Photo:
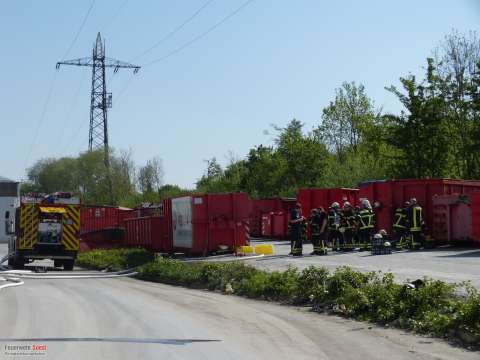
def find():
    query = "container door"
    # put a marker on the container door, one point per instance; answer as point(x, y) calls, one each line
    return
point(461, 215)
point(475, 220)
point(182, 222)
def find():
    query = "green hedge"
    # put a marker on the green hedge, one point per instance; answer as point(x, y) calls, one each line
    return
point(431, 308)
point(114, 259)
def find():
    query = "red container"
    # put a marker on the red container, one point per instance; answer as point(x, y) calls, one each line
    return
point(267, 224)
point(203, 224)
point(386, 195)
point(97, 218)
point(144, 232)
point(314, 198)
point(262, 206)
point(475, 207)
point(156, 210)
point(124, 213)
point(279, 225)
point(102, 239)
point(452, 218)
point(166, 227)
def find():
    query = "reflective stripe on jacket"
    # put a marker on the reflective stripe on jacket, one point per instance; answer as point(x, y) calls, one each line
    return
point(400, 219)
point(366, 218)
point(417, 219)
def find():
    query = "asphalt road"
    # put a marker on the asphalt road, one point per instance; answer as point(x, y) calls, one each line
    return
point(126, 318)
point(170, 317)
point(448, 264)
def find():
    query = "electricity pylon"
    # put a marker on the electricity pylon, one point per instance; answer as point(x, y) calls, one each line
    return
point(100, 100)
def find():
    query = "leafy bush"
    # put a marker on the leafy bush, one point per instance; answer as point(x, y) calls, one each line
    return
point(311, 285)
point(115, 259)
point(432, 306)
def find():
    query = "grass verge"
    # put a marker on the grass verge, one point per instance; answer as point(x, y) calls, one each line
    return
point(114, 259)
point(432, 307)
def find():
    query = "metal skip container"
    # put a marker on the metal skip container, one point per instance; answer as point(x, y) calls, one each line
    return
point(97, 218)
point(204, 224)
point(316, 197)
point(262, 207)
point(151, 232)
point(387, 195)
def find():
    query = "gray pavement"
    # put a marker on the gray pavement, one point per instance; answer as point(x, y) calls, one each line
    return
point(445, 263)
point(64, 311)
point(127, 318)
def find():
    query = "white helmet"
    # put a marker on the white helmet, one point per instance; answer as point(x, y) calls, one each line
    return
point(377, 236)
point(366, 204)
point(347, 204)
point(387, 244)
point(335, 205)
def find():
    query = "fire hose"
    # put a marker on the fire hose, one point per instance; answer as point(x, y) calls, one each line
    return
point(14, 277)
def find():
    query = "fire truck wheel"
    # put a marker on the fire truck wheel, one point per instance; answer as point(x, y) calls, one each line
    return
point(68, 264)
point(17, 262)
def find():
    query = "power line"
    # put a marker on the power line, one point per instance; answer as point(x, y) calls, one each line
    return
point(190, 42)
point(122, 90)
point(66, 122)
point(162, 40)
point(112, 19)
point(79, 30)
point(52, 84)
point(175, 30)
point(71, 143)
point(200, 36)
point(108, 24)
point(41, 119)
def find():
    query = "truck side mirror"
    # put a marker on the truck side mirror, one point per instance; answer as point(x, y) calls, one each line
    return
point(8, 224)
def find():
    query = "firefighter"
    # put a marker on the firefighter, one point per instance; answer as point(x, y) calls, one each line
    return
point(366, 223)
point(400, 224)
point(355, 228)
point(415, 223)
point(318, 225)
point(335, 237)
point(296, 224)
point(348, 225)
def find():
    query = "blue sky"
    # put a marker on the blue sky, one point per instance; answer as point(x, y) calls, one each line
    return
point(272, 61)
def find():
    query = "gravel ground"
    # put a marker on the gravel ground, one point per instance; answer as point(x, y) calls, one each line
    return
point(445, 263)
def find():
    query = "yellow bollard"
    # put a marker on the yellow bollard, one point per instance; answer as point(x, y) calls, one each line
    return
point(265, 249)
point(245, 250)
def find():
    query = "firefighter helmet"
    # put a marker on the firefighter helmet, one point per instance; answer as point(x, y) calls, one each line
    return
point(366, 204)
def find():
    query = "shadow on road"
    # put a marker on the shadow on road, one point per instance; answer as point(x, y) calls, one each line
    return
point(113, 340)
point(469, 254)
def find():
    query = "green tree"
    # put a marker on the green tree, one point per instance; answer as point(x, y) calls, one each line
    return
point(211, 181)
point(168, 191)
point(421, 134)
point(86, 176)
point(264, 175)
point(357, 136)
point(304, 155)
point(50, 175)
point(150, 179)
point(455, 61)
point(345, 119)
